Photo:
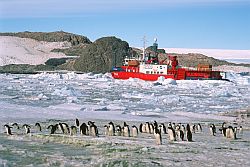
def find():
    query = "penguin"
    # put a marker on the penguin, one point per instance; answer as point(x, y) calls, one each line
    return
point(27, 128)
point(230, 133)
point(84, 129)
point(111, 129)
point(179, 133)
point(8, 129)
point(155, 124)
point(140, 127)
point(212, 129)
point(148, 127)
point(193, 128)
point(188, 133)
point(158, 137)
point(126, 130)
point(77, 122)
point(235, 130)
point(38, 126)
point(173, 125)
point(171, 133)
point(134, 131)
point(64, 128)
point(106, 130)
point(118, 130)
point(15, 125)
point(223, 129)
point(199, 127)
point(163, 128)
point(183, 128)
point(144, 128)
point(53, 128)
point(90, 123)
point(151, 129)
point(240, 130)
point(73, 130)
point(93, 131)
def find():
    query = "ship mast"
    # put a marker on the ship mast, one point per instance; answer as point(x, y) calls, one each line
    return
point(144, 47)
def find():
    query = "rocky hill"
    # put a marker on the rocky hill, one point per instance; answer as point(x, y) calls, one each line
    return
point(58, 36)
point(98, 56)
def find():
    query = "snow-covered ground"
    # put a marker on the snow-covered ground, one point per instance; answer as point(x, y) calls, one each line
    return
point(237, 56)
point(14, 50)
point(52, 98)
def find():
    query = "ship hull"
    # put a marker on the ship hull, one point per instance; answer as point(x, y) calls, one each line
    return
point(180, 74)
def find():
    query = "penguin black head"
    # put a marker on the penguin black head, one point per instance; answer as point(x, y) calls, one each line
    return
point(111, 123)
point(53, 128)
point(155, 124)
point(77, 122)
point(16, 125)
point(91, 123)
point(125, 124)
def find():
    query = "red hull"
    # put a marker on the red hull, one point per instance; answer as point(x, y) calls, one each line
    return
point(178, 74)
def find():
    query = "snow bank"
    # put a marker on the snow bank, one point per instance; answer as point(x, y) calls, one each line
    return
point(15, 50)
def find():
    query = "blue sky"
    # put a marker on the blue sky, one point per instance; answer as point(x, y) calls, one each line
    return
point(217, 24)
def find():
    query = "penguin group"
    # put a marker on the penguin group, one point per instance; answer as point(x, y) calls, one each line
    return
point(118, 130)
point(227, 131)
point(25, 128)
point(173, 132)
point(158, 131)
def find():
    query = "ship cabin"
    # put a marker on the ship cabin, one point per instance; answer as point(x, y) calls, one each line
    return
point(153, 69)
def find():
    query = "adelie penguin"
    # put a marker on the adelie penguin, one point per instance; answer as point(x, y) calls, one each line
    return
point(8, 129)
point(171, 133)
point(158, 137)
point(106, 130)
point(134, 131)
point(142, 128)
point(163, 128)
point(223, 129)
point(84, 129)
point(126, 130)
point(93, 131)
point(148, 130)
point(53, 128)
point(73, 130)
point(15, 125)
point(240, 130)
point(118, 130)
point(111, 129)
point(39, 128)
point(179, 132)
point(212, 129)
point(189, 133)
point(230, 133)
point(64, 128)
point(77, 122)
point(27, 128)
point(199, 127)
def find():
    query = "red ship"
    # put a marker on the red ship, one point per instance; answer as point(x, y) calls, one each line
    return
point(150, 69)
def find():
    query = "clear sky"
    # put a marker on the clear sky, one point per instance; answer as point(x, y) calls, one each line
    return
point(218, 24)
